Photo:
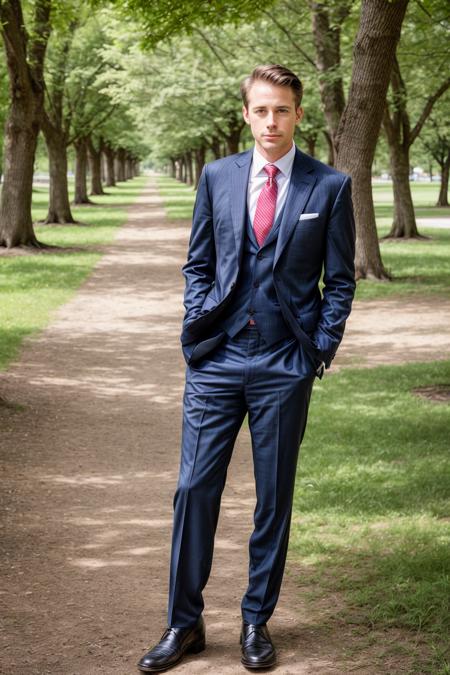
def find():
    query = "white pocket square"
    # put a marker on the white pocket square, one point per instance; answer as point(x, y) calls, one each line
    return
point(308, 216)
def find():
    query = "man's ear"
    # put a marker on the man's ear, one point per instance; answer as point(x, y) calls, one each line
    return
point(299, 114)
point(245, 114)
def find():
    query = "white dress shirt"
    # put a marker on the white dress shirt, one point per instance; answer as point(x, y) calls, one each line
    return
point(258, 177)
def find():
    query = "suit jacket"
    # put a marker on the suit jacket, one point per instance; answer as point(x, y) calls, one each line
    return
point(316, 234)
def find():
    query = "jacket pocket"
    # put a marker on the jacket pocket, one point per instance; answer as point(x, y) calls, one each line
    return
point(308, 320)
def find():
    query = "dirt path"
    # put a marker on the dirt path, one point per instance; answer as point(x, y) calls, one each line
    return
point(90, 466)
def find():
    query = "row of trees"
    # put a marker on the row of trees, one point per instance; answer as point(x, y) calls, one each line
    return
point(58, 84)
point(164, 76)
point(394, 85)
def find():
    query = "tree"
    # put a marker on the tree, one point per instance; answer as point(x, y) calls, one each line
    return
point(56, 122)
point(359, 125)
point(327, 21)
point(418, 80)
point(374, 52)
point(437, 143)
point(4, 101)
point(25, 49)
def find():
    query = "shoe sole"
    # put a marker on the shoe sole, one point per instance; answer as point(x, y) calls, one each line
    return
point(259, 666)
point(194, 648)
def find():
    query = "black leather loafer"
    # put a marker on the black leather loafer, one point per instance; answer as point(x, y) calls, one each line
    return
point(174, 644)
point(257, 648)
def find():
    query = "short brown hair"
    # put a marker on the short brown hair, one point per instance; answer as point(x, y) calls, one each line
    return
point(277, 75)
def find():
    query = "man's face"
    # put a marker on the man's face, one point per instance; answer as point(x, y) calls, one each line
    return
point(272, 116)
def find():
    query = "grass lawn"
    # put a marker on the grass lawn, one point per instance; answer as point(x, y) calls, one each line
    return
point(32, 286)
point(371, 523)
point(419, 267)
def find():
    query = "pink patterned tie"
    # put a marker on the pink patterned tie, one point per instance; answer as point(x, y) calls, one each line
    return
point(266, 205)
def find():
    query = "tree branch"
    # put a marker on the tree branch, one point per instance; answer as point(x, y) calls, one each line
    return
point(289, 37)
point(428, 108)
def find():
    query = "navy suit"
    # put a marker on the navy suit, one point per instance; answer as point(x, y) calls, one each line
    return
point(265, 371)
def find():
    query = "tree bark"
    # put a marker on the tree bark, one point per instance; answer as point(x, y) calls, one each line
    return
point(327, 42)
point(129, 165)
point(404, 223)
point(58, 205)
point(443, 191)
point(189, 168)
point(25, 60)
point(110, 172)
point(183, 169)
point(397, 128)
point(199, 163)
point(95, 167)
point(330, 160)
point(216, 148)
point(233, 141)
point(173, 168)
point(374, 51)
point(400, 138)
point(81, 195)
point(311, 145)
point(178, 169)
point(120, 167)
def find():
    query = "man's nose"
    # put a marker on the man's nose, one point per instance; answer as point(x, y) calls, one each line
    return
point(271, 120)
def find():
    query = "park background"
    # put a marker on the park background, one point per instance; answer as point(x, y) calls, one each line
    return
point(108, 113)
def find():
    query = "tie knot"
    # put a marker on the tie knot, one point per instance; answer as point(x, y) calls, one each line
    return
point(271, 170)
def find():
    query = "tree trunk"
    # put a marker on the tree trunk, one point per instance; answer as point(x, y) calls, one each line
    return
point(404, 224)
point(189, 169)
point(173, 168)
point(233, 141)
point(330, 159)
point(21, 132)
point(120, 168)
point(216, 148)
point(81, 196)
point(311, 145)
point(199, 164)
point(327, 42)
point(95, 158)
point(178, 169)
point(58, 205)
point(374, 51)
point(443, 191)
point(110, 173)
point(25, 59)
point(103, 166)
point(129, 165)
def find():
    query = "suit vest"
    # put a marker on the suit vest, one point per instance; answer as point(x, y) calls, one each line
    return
point(255, 296)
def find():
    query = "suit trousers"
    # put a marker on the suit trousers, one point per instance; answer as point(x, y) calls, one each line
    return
point(241, 376)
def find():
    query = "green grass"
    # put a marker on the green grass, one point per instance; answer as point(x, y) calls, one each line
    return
point(371, 508)
point(33, 286)
point(419, 267)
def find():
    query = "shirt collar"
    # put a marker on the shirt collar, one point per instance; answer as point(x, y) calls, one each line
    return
point(284, 164)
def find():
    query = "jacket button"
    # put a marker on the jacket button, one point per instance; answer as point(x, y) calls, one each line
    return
point(260, 255)
point(251, 310)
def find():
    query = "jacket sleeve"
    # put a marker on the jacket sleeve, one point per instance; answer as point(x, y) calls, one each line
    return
point(199, 270)
point(339, 275)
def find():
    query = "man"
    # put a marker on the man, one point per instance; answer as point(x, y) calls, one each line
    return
point(256, 333)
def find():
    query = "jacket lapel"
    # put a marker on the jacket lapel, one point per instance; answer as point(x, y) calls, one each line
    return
point(300, 186)
point(239, 181)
